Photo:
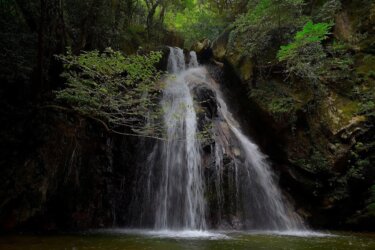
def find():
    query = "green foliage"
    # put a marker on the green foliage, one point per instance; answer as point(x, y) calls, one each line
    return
point(368, 107)
point(328, 11)
point(260, 26)
point(305, 55)
point(195, 23)
point(366, 97)
point(32, 31)
point(338, 64)
point(371, 74)
point(310, 34)
point(205, 135)
point(316, 163)
point(119, 90)
point(274, 12)
point(281, 105)
point(356, 172)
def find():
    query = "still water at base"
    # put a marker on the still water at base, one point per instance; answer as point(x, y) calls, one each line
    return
point(142, 239)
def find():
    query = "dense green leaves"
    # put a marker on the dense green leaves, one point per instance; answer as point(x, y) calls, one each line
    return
point(305, 55)
point(203, 19)
point(310, 34)
point(196, 23)
point(328, 11)
point(119, 90)
point(261, 26)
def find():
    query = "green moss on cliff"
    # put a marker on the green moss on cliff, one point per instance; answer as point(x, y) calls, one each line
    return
point(323, 120)
point(276, 101)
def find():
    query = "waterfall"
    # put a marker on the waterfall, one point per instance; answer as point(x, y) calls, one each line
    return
point(193, 63)
point(181, 190)
point(181, 200)
point(263, 201)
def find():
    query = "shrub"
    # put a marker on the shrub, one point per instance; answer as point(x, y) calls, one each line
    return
point(119, 90)
point(305, 56)
point(255, 28)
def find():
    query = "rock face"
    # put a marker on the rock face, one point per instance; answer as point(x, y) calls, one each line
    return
point(59, 171)
point(66, 173)
point(324, 150)
point(242, 65)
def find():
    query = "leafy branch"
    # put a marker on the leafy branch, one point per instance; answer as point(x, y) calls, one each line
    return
point(120, 91)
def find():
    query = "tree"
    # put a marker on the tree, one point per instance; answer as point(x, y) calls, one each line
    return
point(196, 20)
point(152, 5)
point(228, 8)
point(119, 91)
point(266, 21)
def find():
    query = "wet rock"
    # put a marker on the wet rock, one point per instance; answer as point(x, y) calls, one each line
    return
point(313, 148)
point(201, 46)
point(223, 52)
point(219, 46)
point(70, 181)
point(206, 99)
point(203, 50)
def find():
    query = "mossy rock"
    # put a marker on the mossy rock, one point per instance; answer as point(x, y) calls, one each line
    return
point(245, 69)
point(338, 112)
point(365, 65)
point(242, 64)
point(281, 100)
point(201, 46)
point(219, 46)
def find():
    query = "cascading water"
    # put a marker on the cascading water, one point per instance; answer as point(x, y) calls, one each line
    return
point(263, 204)
point(181, 202)
point(178, 178)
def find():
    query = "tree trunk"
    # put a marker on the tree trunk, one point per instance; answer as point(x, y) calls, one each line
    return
point(150, 18)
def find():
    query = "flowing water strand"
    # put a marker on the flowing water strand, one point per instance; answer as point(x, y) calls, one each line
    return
point(193, 63)
point(181, 202)
point(261, 195)
point(175, 178)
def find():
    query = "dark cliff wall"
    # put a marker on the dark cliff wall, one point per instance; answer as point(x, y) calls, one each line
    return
point(59, 171)
point(324, 150)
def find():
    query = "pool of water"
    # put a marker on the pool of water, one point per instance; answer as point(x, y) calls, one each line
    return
point(119, 239)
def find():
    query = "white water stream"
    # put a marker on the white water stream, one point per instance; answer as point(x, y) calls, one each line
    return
point(177, 182)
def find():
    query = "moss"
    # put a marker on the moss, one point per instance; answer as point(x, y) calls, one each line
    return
point(246, 69)
point(365, 65)
point(338, 112)
point(348, 108)
point(242, 65)
point(301, 97)
point(371, 74)
point(281, 105)
point(277, 101)
point(219, 46)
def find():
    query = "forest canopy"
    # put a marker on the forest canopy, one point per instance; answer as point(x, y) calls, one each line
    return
point(295, 35)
